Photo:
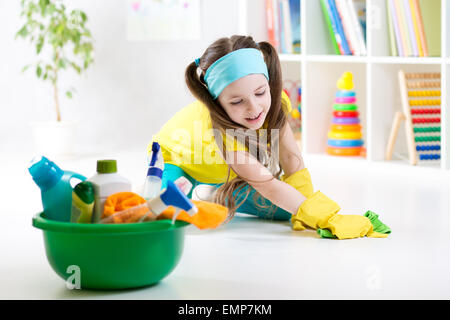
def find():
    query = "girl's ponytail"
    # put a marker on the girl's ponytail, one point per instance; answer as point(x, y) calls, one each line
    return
point(277, 117)
point(199, 90)
point(274, 68)
point(194, 83)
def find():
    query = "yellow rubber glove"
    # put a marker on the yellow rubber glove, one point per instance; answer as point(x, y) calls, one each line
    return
point(301, 180)
point(319, 211)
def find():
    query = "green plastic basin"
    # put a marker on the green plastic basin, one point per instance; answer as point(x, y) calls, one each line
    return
point(113, 256)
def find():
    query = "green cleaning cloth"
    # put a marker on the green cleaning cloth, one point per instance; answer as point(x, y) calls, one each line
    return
point(378, 226)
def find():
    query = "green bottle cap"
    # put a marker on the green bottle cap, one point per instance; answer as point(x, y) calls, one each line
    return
point(85, 191)
point(106, 166)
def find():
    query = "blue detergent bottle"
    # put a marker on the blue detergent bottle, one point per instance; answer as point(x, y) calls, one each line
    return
point(56, 189)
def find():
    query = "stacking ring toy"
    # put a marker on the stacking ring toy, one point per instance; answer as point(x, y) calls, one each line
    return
point(345, 107)
point(346, 114)
point(351, 135)
point(345, 120)
point(345, 100)
point(345, 143)
point(345, 93)
point(352, 151)
point(346, 127)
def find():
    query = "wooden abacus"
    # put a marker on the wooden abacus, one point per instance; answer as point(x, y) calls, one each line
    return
point(421, 109)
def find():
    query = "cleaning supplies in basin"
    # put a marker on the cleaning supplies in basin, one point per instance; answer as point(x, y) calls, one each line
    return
point(56, 188)
point(128, 207)
point(106, 182)
point(152, 186)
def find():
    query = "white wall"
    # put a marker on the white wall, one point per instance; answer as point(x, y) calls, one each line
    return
point(125, 97)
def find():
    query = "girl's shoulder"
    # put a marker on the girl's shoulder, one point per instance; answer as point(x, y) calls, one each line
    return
point(195, 110)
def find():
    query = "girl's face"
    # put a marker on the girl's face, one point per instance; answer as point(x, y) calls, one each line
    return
point(247, 100)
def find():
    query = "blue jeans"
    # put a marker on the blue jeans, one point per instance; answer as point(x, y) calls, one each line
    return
point(254, 204)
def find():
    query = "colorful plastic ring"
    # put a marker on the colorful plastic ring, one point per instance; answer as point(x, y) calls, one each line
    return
point(345, 120)
point(346, 127)
point(345, 93)
point(345, 107)
point(352, 135)
point(339, 114)
point(345, 99)
point(345, 143)
point(353, 151)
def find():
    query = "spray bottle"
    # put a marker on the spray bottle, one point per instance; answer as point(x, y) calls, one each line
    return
point(171, 196)
point(152, 186)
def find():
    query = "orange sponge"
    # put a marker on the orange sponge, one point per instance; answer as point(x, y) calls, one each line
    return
point(209, 216)
point(125, 207)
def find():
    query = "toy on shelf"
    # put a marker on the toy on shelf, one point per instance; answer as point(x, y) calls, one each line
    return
point(345, 136)
point(294, 92)
point(421, 111)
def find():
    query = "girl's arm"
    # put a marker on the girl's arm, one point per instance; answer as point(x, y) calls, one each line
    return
point(291, 159)
point(259, 177)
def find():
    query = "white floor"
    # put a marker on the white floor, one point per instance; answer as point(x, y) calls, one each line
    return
point(254, 259)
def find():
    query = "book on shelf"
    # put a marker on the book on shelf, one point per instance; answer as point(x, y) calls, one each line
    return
point(393, 31)
point(283, 25)
point(294, 8)
point(414, 27)
point(343, 20)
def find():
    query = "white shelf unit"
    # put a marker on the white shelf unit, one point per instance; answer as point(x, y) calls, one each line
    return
point(375, 76)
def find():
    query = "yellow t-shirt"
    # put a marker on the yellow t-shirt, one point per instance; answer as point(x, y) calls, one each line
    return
point(187, 141)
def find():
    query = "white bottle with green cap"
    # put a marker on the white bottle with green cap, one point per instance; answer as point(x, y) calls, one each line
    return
point(106, 182)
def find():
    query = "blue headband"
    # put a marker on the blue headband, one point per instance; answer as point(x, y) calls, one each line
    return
point(233, 66)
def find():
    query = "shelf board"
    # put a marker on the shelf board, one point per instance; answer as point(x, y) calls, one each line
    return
point(336, 58)
point(407, 60)
point(290, 57)
point(363, 59)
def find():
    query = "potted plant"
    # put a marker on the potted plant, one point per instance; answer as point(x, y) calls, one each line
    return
point(62, 42)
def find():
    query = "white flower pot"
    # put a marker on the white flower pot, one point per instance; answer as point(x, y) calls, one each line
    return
point(54, 138)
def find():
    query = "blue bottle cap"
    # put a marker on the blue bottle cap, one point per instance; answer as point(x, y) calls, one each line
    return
point(44, 172)
point(155, 149)
point(155, 171)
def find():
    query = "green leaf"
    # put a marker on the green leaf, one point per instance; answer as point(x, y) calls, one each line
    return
point(69, 94)
point(23, 32)
point(60, 28)
point(76, 67)
point(40, 44)
point(83, 16)
point(51, 9)
point(62, 63)
point(43, 5)
point(38, 71)
point(25, 68)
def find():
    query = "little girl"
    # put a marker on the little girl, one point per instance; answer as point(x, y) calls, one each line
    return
point(235, 138)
